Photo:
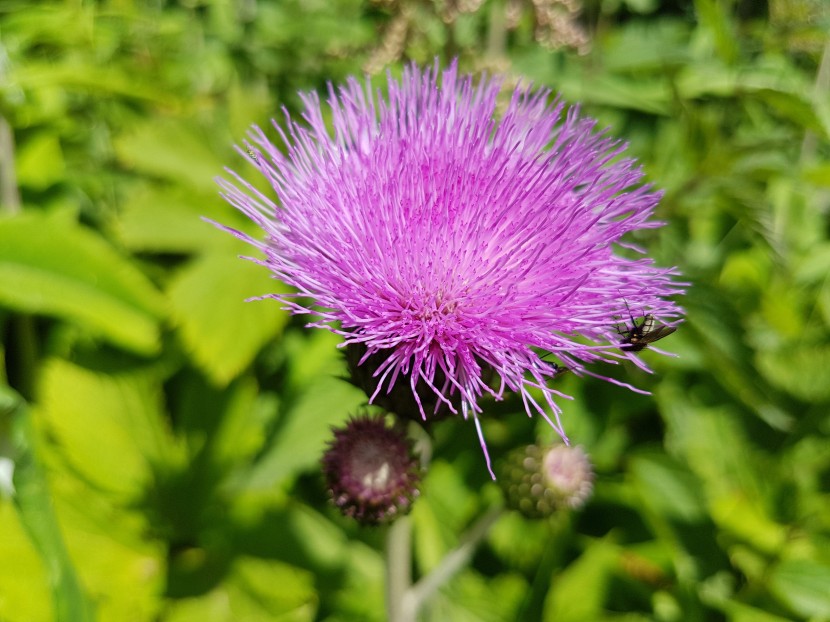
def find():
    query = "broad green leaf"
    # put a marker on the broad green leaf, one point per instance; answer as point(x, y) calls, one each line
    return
point(305, 430)
point(103, 81)
point(739, 612)
point(40, 162)
point(578, 594)
point(646, 46)
point(713, 444)
point(518, 540)
point(473, 598)
point(240, 433)
point(122, 569)
point(718, 592)
point(109, 427)
point(362, 595)
point(221, 330)
point(819, 174)
point(746, 270)
point(24, 596)
point(803, 586)
point(37, 515)
point(248, 104)
point(171, 150)
point(160, 219)
point(652, 96)
point(255, 590)
point(815, 266)
point(313, 353)
point(744, 518)
point(778, 85)
point(800, 370)
point(668, 487)
point(716, 27)
point(54, 268)
point(441, 514)
point(323, 542)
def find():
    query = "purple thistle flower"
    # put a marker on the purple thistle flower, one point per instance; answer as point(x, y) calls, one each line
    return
point(452, 246)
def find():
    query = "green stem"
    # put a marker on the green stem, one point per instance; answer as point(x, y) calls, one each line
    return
point(398, 568)
point(452, 563)
point(496, 32)
point(9, 194)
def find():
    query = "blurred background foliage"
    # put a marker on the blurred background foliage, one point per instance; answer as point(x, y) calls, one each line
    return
point(160, 438)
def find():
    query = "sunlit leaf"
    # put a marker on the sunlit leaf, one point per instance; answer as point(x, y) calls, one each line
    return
point(25, 594)
point(802, 585)
point(579, 592)
point(52, 268)
point(35, 507)
point(306, 429)
point(109, 427)
point(40, 162)
point(255, 590)
point(800, 370)
point(668, 487)
point(473, 598)
point(161, 219)
point(171, 150)
point(218, 326)
point(440, 515)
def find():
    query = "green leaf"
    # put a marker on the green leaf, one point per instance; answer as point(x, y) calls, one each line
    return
point(473, 598)
point(803, 586)
point(746, 519)
point(652, 96)
point(54, 268)
point(714, 445)
point(717, 27)
point(40, 162)
point(739, 612)
point(25, 591)
point(109, 427)
point(646, 46)
point(255, 590)
point(578, 594)
point(305, 430)
point(800, 370)
point(34, 505)
point(240, 433)
point(160, 219)
point(102, 81)
point(122, 569)
point(171, 150)
point(441, 514)
point(668, 487)
point(221, 330)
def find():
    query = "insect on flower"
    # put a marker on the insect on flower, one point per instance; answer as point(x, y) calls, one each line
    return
point(640, 335)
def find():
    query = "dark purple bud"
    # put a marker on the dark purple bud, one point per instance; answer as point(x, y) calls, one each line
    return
point(371, 471)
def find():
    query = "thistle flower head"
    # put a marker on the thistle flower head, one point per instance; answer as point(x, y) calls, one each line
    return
point(539, 481)
point(371, 472)
point(454, 247)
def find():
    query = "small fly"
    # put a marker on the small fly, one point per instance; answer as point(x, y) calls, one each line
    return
point(558, 370)
point(640, 335)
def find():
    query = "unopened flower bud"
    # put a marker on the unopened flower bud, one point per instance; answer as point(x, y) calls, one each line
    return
point(370, 470)
point(539, 481)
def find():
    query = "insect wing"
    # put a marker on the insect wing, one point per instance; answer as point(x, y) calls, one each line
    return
point(640, 335)
point(656, 334)
point(647, 326)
